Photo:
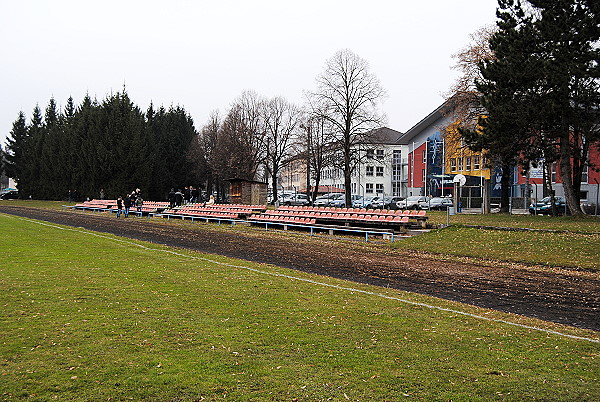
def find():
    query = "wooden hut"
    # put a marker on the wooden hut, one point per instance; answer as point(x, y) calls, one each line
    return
point(248, 192)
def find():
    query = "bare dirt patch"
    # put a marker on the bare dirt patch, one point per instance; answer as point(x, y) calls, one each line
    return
point(556, 295)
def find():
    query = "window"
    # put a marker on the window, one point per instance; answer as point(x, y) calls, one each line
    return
point(476, 162)
point(453, 164)
point(380, 154)
point(583, 195)
point(396, 173)
point(353, 185)
point(370, 153)
point(423, 177)
point(468, 163)
point(554, 172)
point(379, 188)
point(584, 174)
point(397, 157)
point(424, 156)
point(369, 170)
point(460, 164)
point(369, 188)
point(396, 188)
point(379, 171)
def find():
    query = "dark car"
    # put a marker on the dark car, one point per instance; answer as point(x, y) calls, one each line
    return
point(437, 203)
point(9, 195)
point(544, 206)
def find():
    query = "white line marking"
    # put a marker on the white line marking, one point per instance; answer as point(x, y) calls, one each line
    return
point(413, 303)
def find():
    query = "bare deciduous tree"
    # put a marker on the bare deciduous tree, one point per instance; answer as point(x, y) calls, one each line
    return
point(350, 95)
point(239, 150)
point(208, 144)
point(281, 120)
point(465, 103)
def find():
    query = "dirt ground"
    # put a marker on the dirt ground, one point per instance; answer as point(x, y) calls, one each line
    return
point(557, 295)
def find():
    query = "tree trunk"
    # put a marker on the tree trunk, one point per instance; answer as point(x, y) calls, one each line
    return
point(571, 193)
point(505, 187)
point(347, 177)
point(274, 184)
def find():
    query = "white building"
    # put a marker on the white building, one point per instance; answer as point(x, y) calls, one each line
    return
point(379, 170)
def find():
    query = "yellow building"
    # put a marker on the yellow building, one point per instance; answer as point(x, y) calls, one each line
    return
point(460, 159)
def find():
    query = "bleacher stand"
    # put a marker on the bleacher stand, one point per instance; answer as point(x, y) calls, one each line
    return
point(357, 220)
point(357, 217)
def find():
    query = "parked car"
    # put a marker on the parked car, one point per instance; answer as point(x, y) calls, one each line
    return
point(338, 201)
point(437, 203)
point(294, 199)
point(358, 201)
point(544, 206)
point(371, 201)
point(325, 199)
point(387, 202)
point(9, 195)
point(412, 202)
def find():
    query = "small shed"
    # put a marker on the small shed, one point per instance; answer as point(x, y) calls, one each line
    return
point(247, 192)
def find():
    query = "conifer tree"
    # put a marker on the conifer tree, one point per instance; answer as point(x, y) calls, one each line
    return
point(16, 150)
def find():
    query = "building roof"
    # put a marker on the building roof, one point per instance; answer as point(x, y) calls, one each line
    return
point(424, 124)
point(384, 135)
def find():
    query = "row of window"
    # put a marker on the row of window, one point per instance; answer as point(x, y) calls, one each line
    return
point(464, 163)
point(378, 188)
point(378, 171)
point(372, 152)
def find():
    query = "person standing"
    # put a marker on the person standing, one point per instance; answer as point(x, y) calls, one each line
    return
point(102, 194)
point(119, 206)
point(127, 204)
point(171, 198)
point(139, 202)
point(195, 194)
point(178, 198)
point(186, 195)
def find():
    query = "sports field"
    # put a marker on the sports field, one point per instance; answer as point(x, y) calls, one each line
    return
point(88, 316)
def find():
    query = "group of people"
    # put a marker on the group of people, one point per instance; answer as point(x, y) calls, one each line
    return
point(189, 195)
point(130, 200)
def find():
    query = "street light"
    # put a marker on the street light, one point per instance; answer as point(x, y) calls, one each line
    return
point(597, 191)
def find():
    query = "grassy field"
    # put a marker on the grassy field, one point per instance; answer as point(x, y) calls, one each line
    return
point(585, 224)
point(92, 317)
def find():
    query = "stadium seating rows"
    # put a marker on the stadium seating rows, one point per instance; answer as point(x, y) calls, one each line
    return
point(356, 217)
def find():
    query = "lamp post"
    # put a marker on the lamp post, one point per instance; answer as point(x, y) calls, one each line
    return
point(597, 191)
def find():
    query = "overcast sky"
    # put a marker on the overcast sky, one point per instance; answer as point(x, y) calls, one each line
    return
point(202, 54)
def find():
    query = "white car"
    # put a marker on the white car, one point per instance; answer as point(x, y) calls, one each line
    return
point(412, 202)
point(294, 199)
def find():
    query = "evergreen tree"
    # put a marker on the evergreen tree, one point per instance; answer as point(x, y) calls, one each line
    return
point(50, 173)
point(567, 109)
point(33, 153)
point(16, 150)
point(507, 88)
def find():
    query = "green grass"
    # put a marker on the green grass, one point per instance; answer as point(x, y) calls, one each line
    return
point(37, 203)
point(585, 224)
point(89, 317)
point(572, 250)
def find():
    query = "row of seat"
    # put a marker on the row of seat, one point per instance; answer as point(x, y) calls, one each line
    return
point(283, 219)
point(364, 211)
point(195, 208)
point(325, 217)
